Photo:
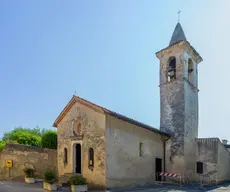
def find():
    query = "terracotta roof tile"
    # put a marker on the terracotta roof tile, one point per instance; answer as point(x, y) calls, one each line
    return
point(112, 113)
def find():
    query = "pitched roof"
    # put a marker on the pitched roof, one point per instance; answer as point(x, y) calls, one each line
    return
point(105, 111)
point(178, 35)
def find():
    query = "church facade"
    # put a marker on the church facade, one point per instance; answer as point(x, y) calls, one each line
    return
point(112, 150)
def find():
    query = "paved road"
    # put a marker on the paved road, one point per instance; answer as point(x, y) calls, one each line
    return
point(12, 186)
point(194, 188)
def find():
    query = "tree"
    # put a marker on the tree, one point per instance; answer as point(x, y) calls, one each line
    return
point(32, 137)
point(2, 145)
point(35, 131)
point(26, 138)
point(49, 139)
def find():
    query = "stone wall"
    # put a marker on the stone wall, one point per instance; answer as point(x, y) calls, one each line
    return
point(124, 165)
point(191, 120)
point(179, 111)
point(92, 135)
point(215, 158)
point(172, 118)
point(207, 152)
point(22, 156)
point(223, 165)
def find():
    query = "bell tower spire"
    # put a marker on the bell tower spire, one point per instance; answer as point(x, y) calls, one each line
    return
point(178, 35)
point(179, 102)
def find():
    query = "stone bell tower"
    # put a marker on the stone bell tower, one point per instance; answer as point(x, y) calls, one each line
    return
point(179, 102)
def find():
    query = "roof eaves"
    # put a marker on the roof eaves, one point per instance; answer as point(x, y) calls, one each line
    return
point(168, 46)
point(134, 122)
point(200, 58)
point(112, 113)
point(64, 111)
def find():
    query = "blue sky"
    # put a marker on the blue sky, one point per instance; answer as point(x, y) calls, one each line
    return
point(105, 51)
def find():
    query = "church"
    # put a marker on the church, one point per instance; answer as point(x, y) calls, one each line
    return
point(112, 150)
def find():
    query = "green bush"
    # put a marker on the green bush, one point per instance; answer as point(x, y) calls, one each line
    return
point(26, 138)
point(49, 139)
point(2, 145)
point(77, 180)
point(8, 136)
point(50, 176)
point(34, 137)
point(29, 172)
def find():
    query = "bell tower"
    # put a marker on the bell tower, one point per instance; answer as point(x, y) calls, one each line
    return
point(179, 102)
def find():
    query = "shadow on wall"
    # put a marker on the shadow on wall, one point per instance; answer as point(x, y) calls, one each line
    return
point(26, 156)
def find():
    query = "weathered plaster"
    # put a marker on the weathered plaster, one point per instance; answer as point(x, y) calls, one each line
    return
point(179, 112)
point(26, 156)
point(207, 152)
point(124, 165)
point(215, 158)
point(93, 135)
point(223, 165)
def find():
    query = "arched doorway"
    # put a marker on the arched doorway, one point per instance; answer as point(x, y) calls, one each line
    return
point(77, 158)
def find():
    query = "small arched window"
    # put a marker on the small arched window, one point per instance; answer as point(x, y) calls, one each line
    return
point(171, 70)
point(91, 158)
point(65, 156)
point(190, 70)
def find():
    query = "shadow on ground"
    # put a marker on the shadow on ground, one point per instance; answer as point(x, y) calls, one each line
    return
point(13, 186)
point(167, 187)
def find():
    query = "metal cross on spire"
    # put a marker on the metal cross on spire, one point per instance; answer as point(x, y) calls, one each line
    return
point(179, 15)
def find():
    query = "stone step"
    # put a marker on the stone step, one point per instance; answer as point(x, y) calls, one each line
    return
point(62, 180)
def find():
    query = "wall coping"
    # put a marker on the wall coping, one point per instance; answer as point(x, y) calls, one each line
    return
point(216, 139)
point(21, 147)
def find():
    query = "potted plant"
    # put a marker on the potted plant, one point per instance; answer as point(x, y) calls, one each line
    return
point(29, 175)
point(78, 183)
point(50, 180)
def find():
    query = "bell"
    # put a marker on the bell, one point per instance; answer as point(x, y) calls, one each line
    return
point(171, 69)
point(171, 73)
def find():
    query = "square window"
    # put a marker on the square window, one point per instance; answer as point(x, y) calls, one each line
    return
point(199, 167)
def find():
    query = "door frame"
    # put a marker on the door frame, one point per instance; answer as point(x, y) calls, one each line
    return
point(162, 178)
point(74, 156)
